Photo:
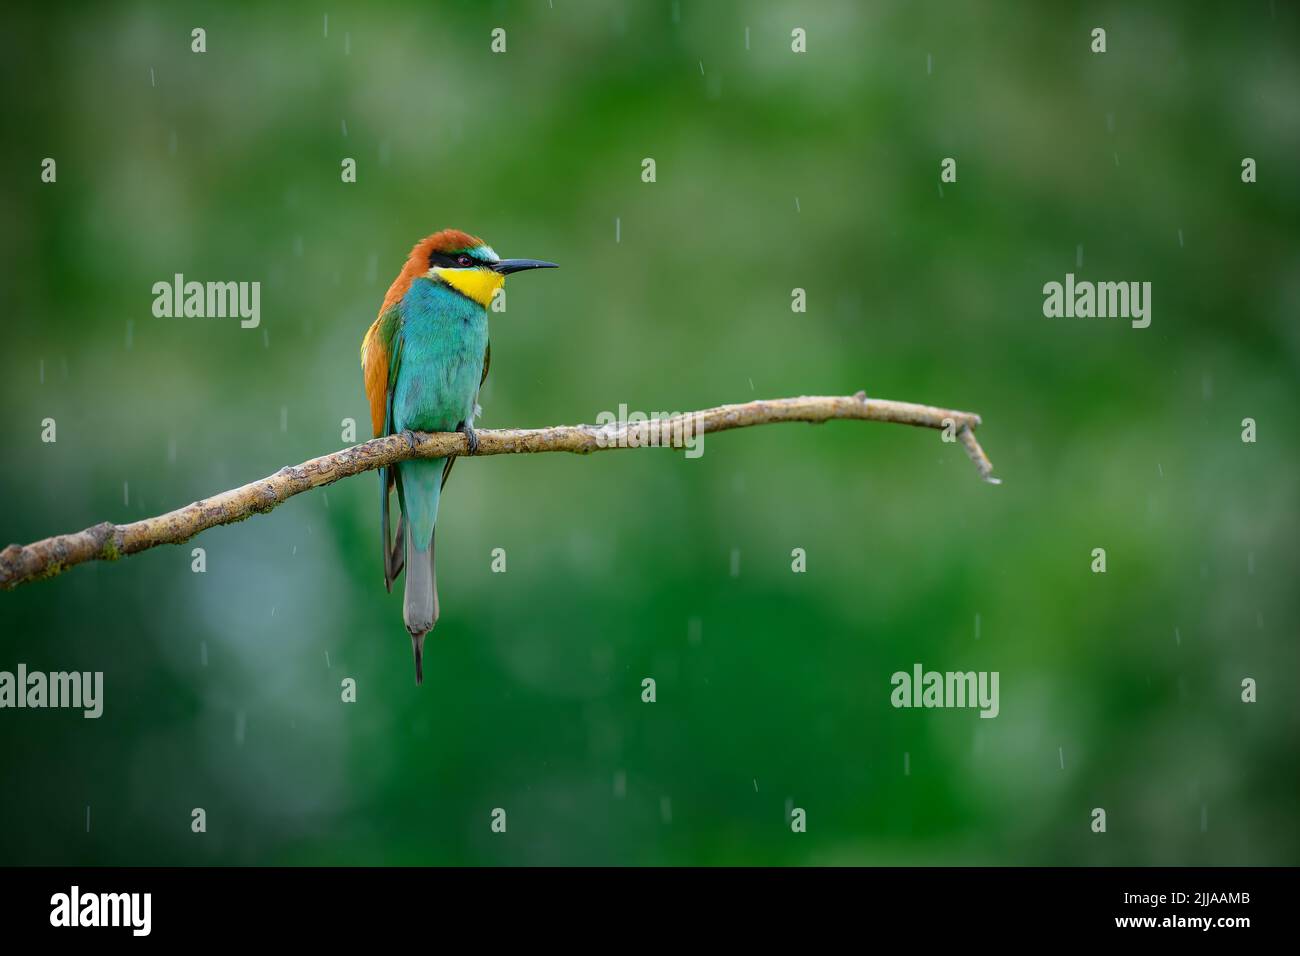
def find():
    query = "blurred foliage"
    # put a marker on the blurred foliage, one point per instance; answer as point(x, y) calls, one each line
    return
point(775, 170)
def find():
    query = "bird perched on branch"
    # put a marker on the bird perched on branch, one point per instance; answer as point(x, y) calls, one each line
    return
point(424, 360)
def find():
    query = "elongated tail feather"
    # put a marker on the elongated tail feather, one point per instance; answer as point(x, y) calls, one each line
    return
point(420, 601)
point(420, 483)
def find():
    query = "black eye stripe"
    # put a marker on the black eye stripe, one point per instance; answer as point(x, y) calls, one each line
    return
point(451, 262)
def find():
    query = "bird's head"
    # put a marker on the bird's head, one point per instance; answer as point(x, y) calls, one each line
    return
point(468, 264)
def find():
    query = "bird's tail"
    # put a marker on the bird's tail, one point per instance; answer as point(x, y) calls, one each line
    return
point(421, 484)
point(420, 602)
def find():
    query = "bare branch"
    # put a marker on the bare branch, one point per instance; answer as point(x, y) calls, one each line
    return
point(108, 542)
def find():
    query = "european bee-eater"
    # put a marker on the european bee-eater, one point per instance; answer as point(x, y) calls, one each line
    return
point(425, 359)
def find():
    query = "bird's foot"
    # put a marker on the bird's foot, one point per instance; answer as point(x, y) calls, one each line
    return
point(471, 436)
point(410, 437)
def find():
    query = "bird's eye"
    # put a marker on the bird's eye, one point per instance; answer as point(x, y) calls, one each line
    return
point(464, 261)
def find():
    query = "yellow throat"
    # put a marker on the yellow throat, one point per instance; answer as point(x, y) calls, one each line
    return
point(479, 284)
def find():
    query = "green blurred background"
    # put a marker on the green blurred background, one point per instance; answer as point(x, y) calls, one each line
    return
point(775, 170)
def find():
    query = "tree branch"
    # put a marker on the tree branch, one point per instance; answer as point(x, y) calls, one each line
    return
point(108, 542)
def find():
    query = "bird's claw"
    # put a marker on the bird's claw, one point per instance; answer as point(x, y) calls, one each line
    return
point(410, 437)
point(471, 437)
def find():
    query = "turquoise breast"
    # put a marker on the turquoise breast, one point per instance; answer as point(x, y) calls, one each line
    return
point(444, 337)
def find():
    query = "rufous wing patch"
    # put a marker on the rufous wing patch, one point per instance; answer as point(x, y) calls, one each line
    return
point(374, 366)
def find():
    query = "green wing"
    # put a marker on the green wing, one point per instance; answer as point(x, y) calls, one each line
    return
point(487, 363)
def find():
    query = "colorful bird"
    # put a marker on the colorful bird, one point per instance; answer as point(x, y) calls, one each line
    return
point(424, 360)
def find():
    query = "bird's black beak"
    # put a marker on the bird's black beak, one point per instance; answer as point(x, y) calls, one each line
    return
point(507, 266)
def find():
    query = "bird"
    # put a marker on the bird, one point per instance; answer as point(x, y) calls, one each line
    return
point(424, 360)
